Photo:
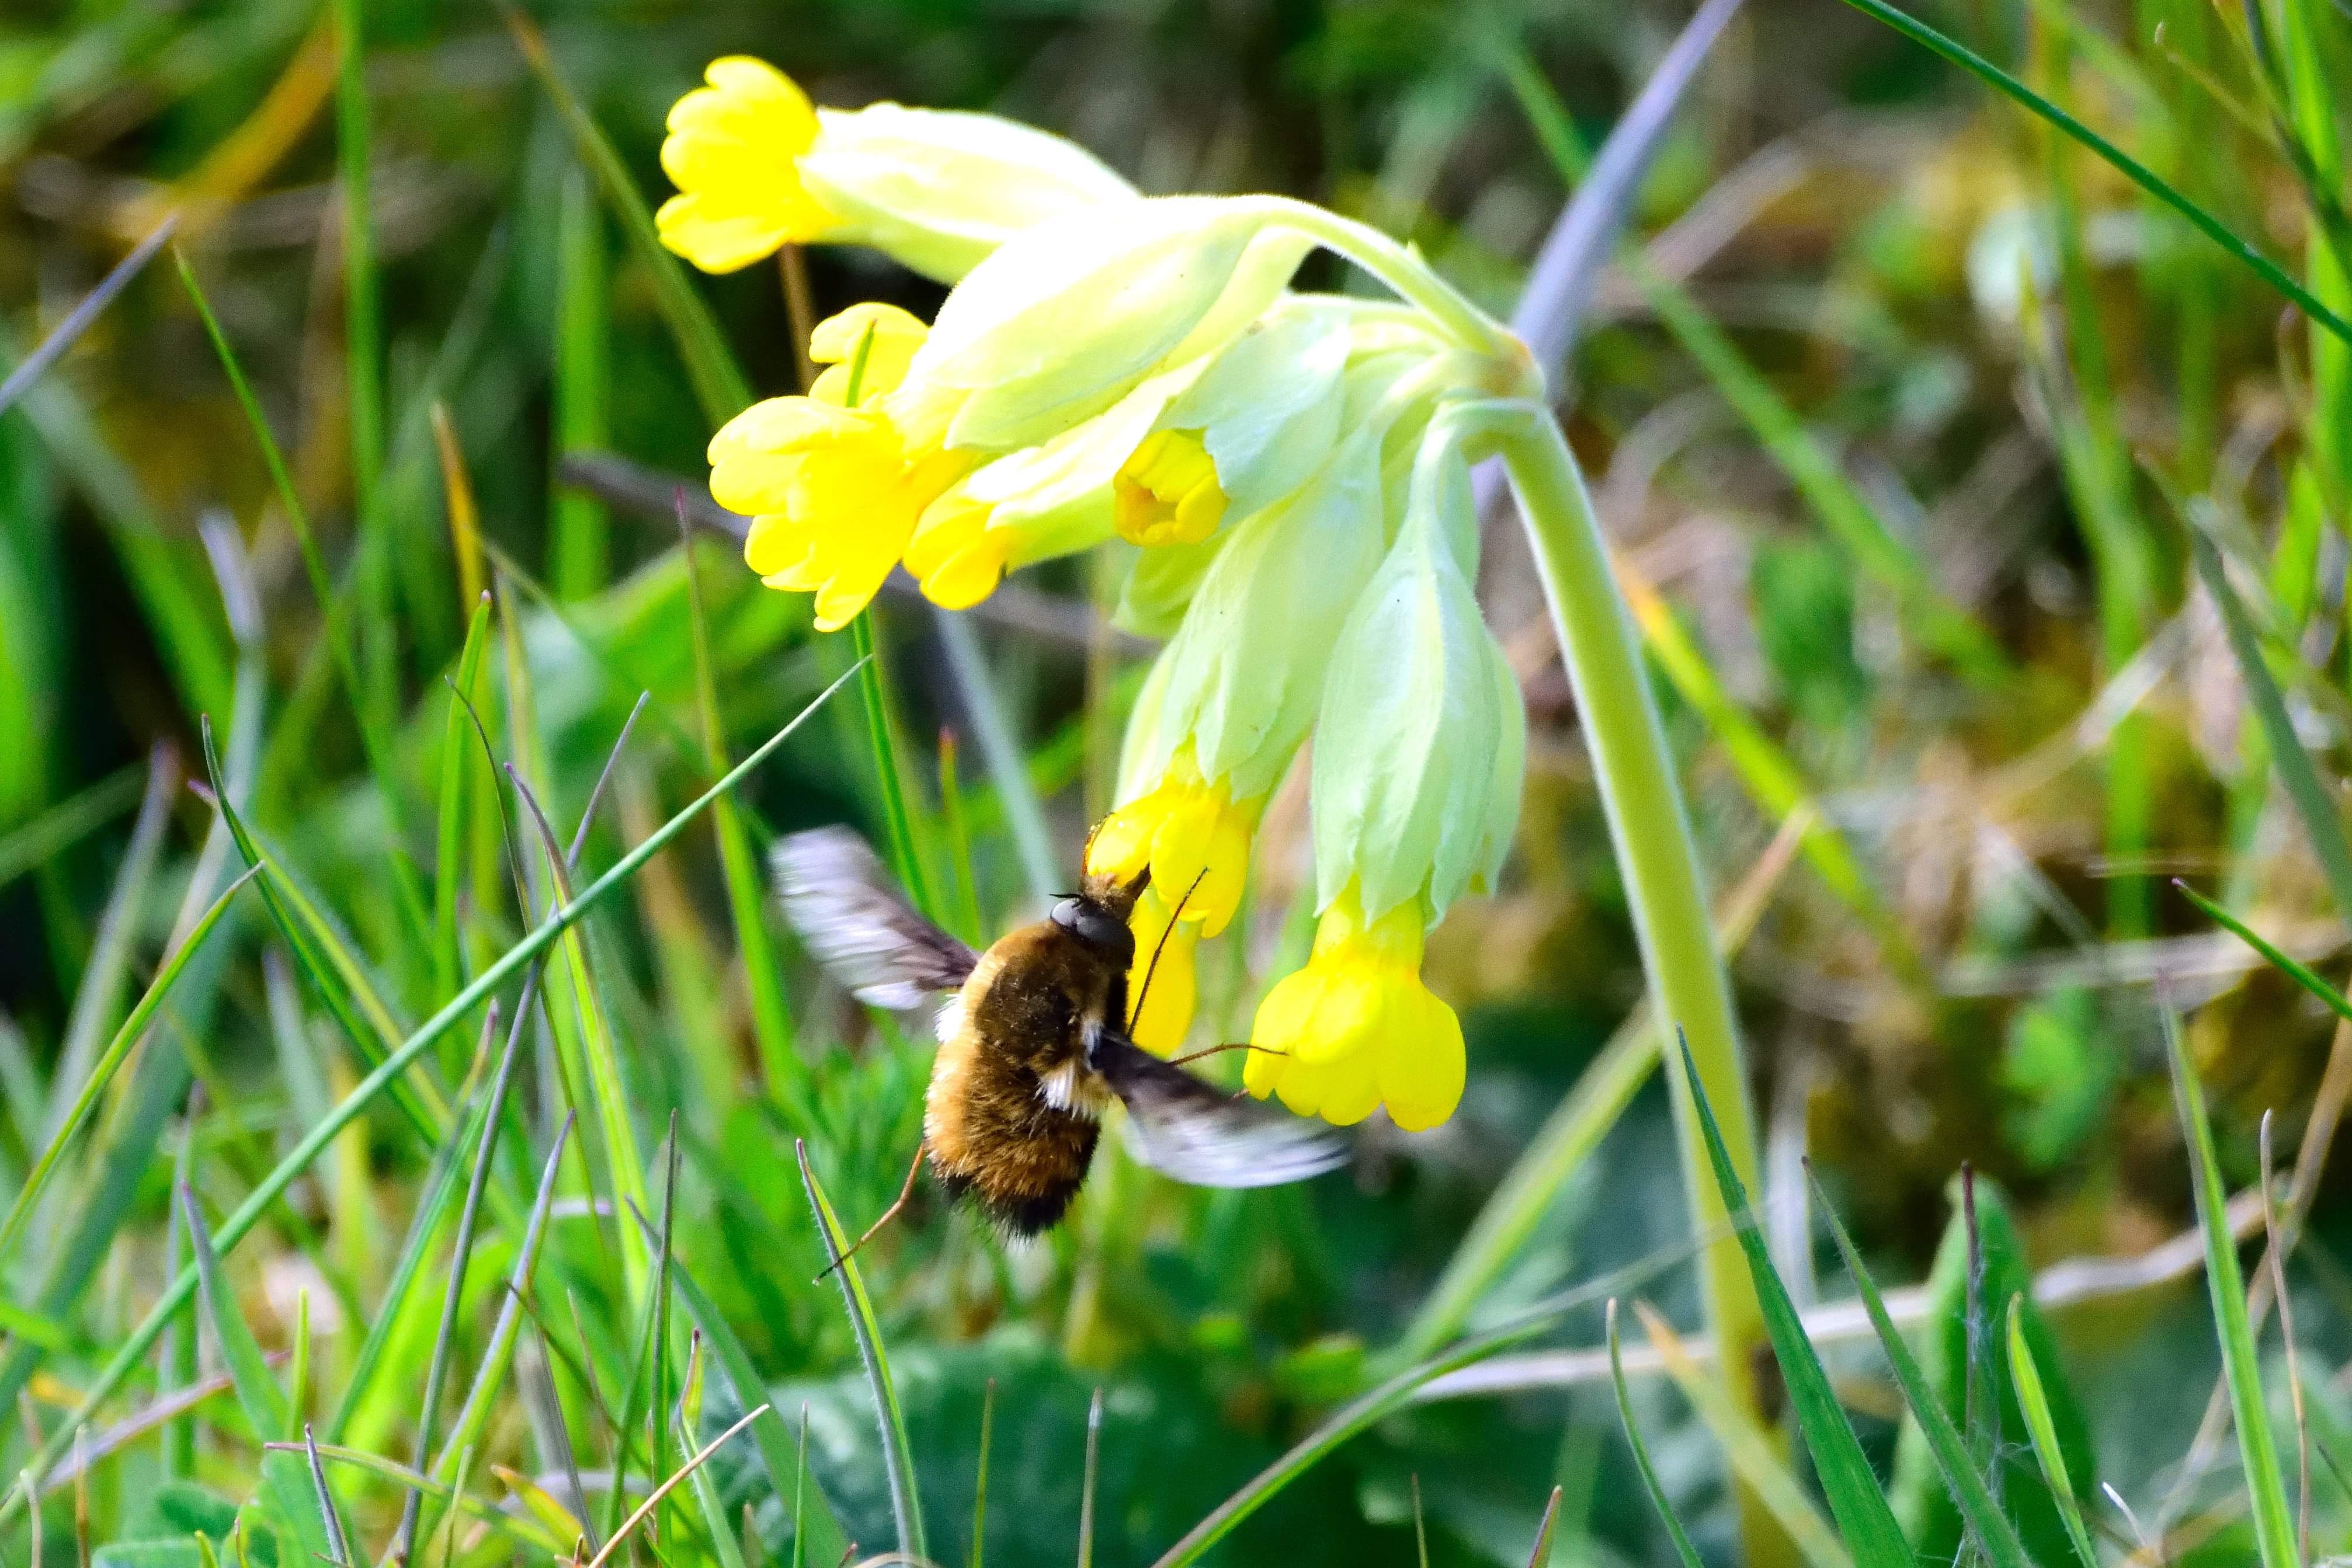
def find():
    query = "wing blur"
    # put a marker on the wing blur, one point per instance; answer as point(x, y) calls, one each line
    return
point(851, 915)
point(1185, 1128)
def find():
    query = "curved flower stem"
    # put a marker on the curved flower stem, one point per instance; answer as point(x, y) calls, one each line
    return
point(1402, 270)
point(1643, 802)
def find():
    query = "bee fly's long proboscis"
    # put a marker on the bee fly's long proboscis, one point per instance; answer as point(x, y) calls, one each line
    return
point(1033, 1043)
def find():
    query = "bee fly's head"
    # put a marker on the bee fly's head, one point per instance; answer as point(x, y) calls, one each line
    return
point(1097, 926)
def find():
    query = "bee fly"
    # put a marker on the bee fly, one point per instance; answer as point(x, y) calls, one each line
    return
point(1034, 1043)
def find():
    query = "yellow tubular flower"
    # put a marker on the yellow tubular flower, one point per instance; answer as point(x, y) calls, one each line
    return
point(1166, 492)
point(1193, 836)
point(1161, 987)
point(733, 151)
point(1356, 1029)
point(833, 491)
point(757, 167)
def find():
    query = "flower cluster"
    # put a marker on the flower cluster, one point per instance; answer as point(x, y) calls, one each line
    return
point(1287, 472)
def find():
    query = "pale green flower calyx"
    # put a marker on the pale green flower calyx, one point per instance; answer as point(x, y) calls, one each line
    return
point(1422, 740)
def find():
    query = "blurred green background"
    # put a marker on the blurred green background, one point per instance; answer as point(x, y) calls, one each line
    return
point(1894, 359)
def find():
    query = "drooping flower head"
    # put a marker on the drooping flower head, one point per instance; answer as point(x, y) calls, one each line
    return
point(1280, 469)
point(1419, 749)
point(757, 167)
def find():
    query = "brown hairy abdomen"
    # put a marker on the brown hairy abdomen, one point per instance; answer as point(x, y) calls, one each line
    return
point(990, 1133)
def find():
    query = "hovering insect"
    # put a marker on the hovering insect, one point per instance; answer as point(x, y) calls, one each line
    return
point(1034, 1043)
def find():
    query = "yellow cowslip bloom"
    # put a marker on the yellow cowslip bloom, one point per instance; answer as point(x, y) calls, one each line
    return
point(733, 150)
point(1356, 1029)
point(1167, 493)
point(1257, 420)
point(1162, 986)
point(833, 490)
point(757, 167)
point(1032, 505)
point(1193, 834)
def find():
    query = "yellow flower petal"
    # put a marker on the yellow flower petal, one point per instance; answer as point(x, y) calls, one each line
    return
point(733, 152)
point(1166, 492)
point(1356, 1029)
point(834, 494)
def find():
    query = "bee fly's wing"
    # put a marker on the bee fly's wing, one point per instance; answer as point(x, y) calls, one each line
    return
point(1182, 1127)
point(859, 925)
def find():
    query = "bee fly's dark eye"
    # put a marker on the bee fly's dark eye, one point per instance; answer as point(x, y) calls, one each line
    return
point(1097, 928)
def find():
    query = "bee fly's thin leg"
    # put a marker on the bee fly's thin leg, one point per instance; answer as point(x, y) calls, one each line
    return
point(1216, 1049)
point(905, 1194)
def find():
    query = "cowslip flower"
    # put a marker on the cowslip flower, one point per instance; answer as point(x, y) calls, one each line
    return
point(833, 488)
point(1257, 420)
point(1356, 1029)
point(1419, 749)
point(758, 167)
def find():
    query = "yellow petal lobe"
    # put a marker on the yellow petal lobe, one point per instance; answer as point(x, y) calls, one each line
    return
point(1356, 1029)
point(733, 151)
point(1166, 492)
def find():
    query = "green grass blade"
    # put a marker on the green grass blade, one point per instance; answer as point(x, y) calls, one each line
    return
point(363, 321)
point(256, 1391)
point(2301, 974)
point(1749, 1447)
point(1995, 1536)
point(517, 1526)
point(1847, 1482)
point(2138, 174)
point(1367, 1410)
point(2311, 800)
point(338, 1546)
point(1539, 1556)
point(2265, 1482)
point(67, 823)
point(979, 1481)
point(474, 1416)
point(299, 1159)
point(786, 1471)
point(338, 645)
point(128, 1036)
point(897, 1452)
point(98, 993)
point(439, 1190)
point(461, 1256)
point(1684, 1550)
point(578, 554)
point(785, 1070)
point(448, 854)
point(2035, 1402)
point(718, 382)
point(1087, 1481)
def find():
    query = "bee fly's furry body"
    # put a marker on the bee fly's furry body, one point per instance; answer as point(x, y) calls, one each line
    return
point(1033, 1043)
point(1012, 1112)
